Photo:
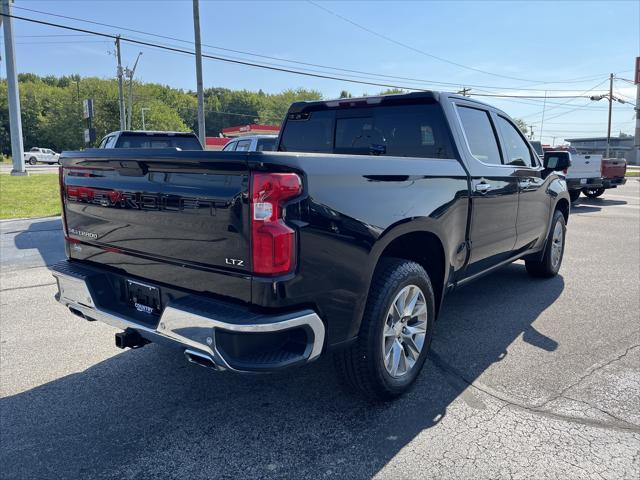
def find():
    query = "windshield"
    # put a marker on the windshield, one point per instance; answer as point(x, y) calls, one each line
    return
point(158, 141)
point(396, 130)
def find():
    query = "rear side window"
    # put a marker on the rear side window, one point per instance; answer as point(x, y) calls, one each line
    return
point(480, 135)
point(404, 131)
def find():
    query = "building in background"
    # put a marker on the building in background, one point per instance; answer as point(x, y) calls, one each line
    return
point(620, 147)
point(218, 143)
point(253, 129)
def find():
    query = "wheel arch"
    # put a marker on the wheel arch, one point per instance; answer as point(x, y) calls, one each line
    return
point(564, 207)
point(421, 241)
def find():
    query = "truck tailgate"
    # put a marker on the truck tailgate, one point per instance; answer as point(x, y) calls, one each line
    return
point(585, 166)
point(179, 218)
point(613, 168)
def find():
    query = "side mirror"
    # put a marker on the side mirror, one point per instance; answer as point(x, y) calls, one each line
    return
point(556, 161)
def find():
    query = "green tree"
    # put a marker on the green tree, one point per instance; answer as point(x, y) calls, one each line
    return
point(522, 125)
point(275, 106)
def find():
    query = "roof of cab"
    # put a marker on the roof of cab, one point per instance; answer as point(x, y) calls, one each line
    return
point(381, 99)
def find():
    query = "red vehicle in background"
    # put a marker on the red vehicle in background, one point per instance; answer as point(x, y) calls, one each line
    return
point(613, 172)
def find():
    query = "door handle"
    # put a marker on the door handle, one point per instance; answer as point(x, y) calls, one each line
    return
point(482, 187)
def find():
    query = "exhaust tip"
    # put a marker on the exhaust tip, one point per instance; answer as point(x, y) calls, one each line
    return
point(200, 359)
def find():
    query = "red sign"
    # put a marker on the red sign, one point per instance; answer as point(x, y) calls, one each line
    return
point(637, 79)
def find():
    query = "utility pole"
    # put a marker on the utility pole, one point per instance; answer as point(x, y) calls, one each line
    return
point(196, 30)
point(15, 120)
point(544, 107)
point(530, 132)
point(464, 91)
point(610, 105)
point(120, 87)
point(637, 132)
point(130, 74)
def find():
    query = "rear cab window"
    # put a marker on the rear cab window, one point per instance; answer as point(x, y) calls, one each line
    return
point(157, 141)
point(413, 130)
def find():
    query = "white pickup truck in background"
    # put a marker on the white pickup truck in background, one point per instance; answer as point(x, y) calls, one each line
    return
point(42, 155)
point(584, 172)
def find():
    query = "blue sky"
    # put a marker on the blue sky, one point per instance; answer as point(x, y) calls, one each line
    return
point(538, 41)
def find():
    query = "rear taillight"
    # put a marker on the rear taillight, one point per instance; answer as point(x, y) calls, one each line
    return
point(272, 241)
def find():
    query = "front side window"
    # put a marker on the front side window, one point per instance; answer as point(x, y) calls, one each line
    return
point(480, 135)
point(111, 140)
point(229, 147)
point(516, 148)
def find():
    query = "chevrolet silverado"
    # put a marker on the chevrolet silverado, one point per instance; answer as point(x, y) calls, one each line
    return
point(345, 240)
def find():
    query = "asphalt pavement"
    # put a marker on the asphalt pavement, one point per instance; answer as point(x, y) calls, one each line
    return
point(526, 379)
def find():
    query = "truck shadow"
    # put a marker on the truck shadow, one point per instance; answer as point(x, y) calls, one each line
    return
point(44, 238)
point(146, 413)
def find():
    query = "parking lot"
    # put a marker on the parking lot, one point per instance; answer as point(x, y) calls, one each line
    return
point(526, 378)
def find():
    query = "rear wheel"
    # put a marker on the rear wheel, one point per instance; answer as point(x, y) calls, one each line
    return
point(549, 265)
point(395, 333)
point(33, 161)
point(593, 192)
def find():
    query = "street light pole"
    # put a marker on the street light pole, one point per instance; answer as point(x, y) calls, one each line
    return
point(610, 105)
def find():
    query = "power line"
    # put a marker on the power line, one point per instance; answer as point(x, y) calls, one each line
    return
point(395, 77)
point(422, 52)
point(251, 64)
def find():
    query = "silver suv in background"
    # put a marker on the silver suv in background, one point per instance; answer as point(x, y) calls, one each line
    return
point(252, 143)
point(151, 139)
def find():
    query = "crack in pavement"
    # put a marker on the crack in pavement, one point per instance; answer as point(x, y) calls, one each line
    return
point(618, 424)
point(594, 369)
point(27, 286)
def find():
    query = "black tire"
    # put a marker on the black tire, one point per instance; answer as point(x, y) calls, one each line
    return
point(592, 192)
point(361, 365)
point(574, 195)
point(547, 267)
point(33, 161)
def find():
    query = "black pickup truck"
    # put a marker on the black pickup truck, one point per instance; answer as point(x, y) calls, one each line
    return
point(345, 240)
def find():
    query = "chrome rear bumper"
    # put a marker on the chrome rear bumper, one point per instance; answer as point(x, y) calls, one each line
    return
point(194, 323)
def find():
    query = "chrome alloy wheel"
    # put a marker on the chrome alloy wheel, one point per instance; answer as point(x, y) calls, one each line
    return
point(404, 331)
point(557, 241)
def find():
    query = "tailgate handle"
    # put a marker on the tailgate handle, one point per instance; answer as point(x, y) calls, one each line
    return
point(132, 169)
